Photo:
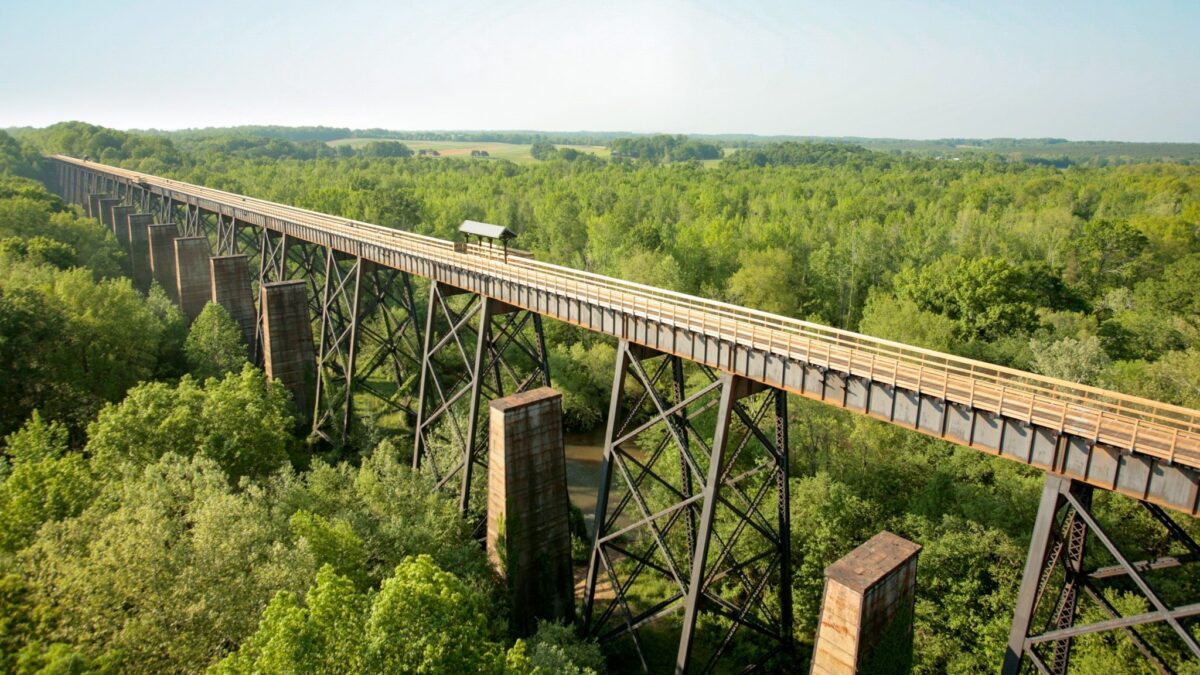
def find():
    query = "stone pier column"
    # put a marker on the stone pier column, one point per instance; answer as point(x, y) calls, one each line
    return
point(161, 245)
point(120, 218)
point(106, 214)
point(139, 249)
point(93, 204)
point(230, 276)
point(193, 284)
point(867, 609)
point(528, 531)
point(287, 340)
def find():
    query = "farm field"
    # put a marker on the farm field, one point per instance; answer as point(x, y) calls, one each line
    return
point(516, 152)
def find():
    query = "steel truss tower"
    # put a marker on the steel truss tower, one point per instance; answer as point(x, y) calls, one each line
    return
point(474, 346)
point(704, 512)
point(369, 342)
point(1062, 563)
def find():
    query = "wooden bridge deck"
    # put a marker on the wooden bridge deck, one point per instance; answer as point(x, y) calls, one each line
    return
point(1144, 448)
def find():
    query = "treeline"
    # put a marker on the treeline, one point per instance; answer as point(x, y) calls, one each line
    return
point(324, 134)
point(790, 153)
point(664, 148)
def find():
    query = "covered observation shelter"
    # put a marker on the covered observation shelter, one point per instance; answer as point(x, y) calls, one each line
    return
point(489, 232)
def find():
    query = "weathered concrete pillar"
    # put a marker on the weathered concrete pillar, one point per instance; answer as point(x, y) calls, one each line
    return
point(93, 204)
point(867, 609)
point(139, 249)
point(193, 283)
point(160, 242)
point(106, 214)
point(230, 276)
point(120, 218)
point(287, 340)
point(528, 531)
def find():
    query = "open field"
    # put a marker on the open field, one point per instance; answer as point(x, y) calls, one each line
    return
point(516, 152)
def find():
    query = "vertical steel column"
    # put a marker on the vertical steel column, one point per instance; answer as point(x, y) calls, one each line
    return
point(470, 454)
point(611, 429)
point(712, 486)
point(784, 508)
point(1031, 577)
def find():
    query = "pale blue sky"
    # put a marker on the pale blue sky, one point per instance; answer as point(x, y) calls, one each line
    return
point(1079, 70)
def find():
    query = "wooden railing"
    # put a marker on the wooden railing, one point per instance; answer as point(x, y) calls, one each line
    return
point(1161, 430)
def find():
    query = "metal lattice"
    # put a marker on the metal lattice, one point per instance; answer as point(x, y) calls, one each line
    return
point(703, 513)
point(1064, 525)
point(369, 342)
point(473, 347)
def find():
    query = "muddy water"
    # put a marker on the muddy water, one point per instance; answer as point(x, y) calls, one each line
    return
point(584, 451)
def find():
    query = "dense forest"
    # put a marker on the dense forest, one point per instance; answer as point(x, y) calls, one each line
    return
point(131, 441)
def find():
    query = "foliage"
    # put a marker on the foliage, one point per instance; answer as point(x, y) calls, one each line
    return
point(555, 648)
point(214, 344)
point(241, 422)
point(792, 153)
point(1071, 359)
point(663, 147)
point(46, 483)
point(75, 343)
point(985, 297)
point(169, 567)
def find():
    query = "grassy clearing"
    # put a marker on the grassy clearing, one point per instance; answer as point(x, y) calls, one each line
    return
point(516, 152)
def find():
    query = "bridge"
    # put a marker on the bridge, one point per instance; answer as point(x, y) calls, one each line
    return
point(711, 506)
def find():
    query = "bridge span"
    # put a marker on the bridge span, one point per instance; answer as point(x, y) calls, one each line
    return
point(1082, 437)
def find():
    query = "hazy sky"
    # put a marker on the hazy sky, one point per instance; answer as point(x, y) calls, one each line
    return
point(1079, 70)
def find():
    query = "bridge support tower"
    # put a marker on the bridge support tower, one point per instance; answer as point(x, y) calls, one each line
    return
point(473, 346)
point(1065, 528)
point(693, 493)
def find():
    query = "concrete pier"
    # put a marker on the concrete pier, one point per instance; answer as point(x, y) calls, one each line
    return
point(528, 531)
point(106, 214)
point(93, 204)
point(193, 283)
point(867, 609)
point(139, 249)
point(161, 244)
point(230, 275)
point(120, 218)
point(287, 340)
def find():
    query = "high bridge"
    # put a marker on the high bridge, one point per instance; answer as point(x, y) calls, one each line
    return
point(712, 505)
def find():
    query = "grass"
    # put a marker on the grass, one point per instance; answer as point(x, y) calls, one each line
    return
point(515, 152)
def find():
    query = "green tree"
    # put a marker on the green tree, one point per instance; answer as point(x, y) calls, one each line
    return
point(984, 296)
point(322, 634)
point(169, 569)
point(1107, 252)
point(543, 151)
point(47, 482)
point(214, 344)
point(427, 620)
point(764, 281)
point(240, 421)
point(1074, 360)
